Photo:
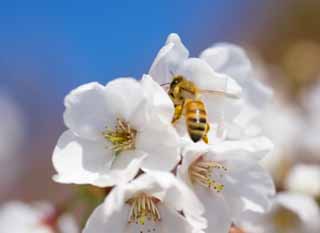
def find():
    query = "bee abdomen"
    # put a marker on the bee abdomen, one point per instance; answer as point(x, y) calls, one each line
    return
point(196, 119)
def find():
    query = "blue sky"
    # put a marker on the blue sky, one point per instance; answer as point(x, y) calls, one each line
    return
point(66, 43)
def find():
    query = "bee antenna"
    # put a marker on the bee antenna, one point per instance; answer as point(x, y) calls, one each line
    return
point(171, 72)
point(163, 84)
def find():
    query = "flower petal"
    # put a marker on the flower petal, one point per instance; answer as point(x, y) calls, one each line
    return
point(248, 184)
point(232, 60)
point(173, 222)
point(161, 142)
point(187, 202)
point(253, 149)
point(160, 100)
point(82, 161)
point(168, 59)
point(229, 59)
point(218, 221)
point(199, 72)
point(78, 160)
point(125, 99)
point(86, 112)
point(101, 221)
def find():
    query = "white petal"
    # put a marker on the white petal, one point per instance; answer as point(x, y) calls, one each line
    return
point(126, 100)
point(187, 201)
point(119, 175)
point(253, 222)
point(101, 221)
point(125, 158)
point(248, 184)
point(168, 59)
point(221, 109)
point(199, 72)
point(232, 60)
point(257, 93)
point(78, 160)
point(160, 100)
point(244, 124)
point(86, 112)
point(229, 59)
point(82, 161)
point(161, 142)
point(216, 210)
point(173, 222)
point(248, 149)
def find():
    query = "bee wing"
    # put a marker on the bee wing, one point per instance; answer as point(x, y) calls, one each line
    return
point(219, 93)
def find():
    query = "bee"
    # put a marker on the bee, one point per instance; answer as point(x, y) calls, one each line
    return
point(186, 98)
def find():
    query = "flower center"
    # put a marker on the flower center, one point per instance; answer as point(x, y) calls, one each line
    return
point(143, 207)
point(122, 137)
point(202, 171)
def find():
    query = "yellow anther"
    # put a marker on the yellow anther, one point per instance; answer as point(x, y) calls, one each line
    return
point(143, 208)
point(122, 137)
point(201, 172)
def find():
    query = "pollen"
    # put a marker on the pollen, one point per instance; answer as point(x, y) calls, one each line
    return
point(143, 208)
point(202, 172)
point(122, 137)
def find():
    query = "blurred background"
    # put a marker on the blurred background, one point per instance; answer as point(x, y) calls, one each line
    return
point(50, 47)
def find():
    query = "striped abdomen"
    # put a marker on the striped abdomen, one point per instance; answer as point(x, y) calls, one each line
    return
point(196, 119)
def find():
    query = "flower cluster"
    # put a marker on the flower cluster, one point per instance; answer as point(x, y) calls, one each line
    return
point(179, 146)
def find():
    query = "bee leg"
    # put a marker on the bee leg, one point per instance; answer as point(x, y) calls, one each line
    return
point(177, 113)
point(205, 135)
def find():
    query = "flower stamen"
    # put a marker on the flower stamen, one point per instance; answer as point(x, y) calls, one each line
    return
point(143, 207)
point(201, 172)
point(122, 137)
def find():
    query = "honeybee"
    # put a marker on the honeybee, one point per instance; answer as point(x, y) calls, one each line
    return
point(186, 98)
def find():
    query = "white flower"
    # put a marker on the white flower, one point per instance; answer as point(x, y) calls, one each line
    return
point(305, 179)
point(290, 213)
point(151, 203)
point(173, 60)
point(226, 177)
point(113, 131)
point(18, 217)
point(232, 60)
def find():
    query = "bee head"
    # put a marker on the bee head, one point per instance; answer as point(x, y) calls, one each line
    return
point(176, 80)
